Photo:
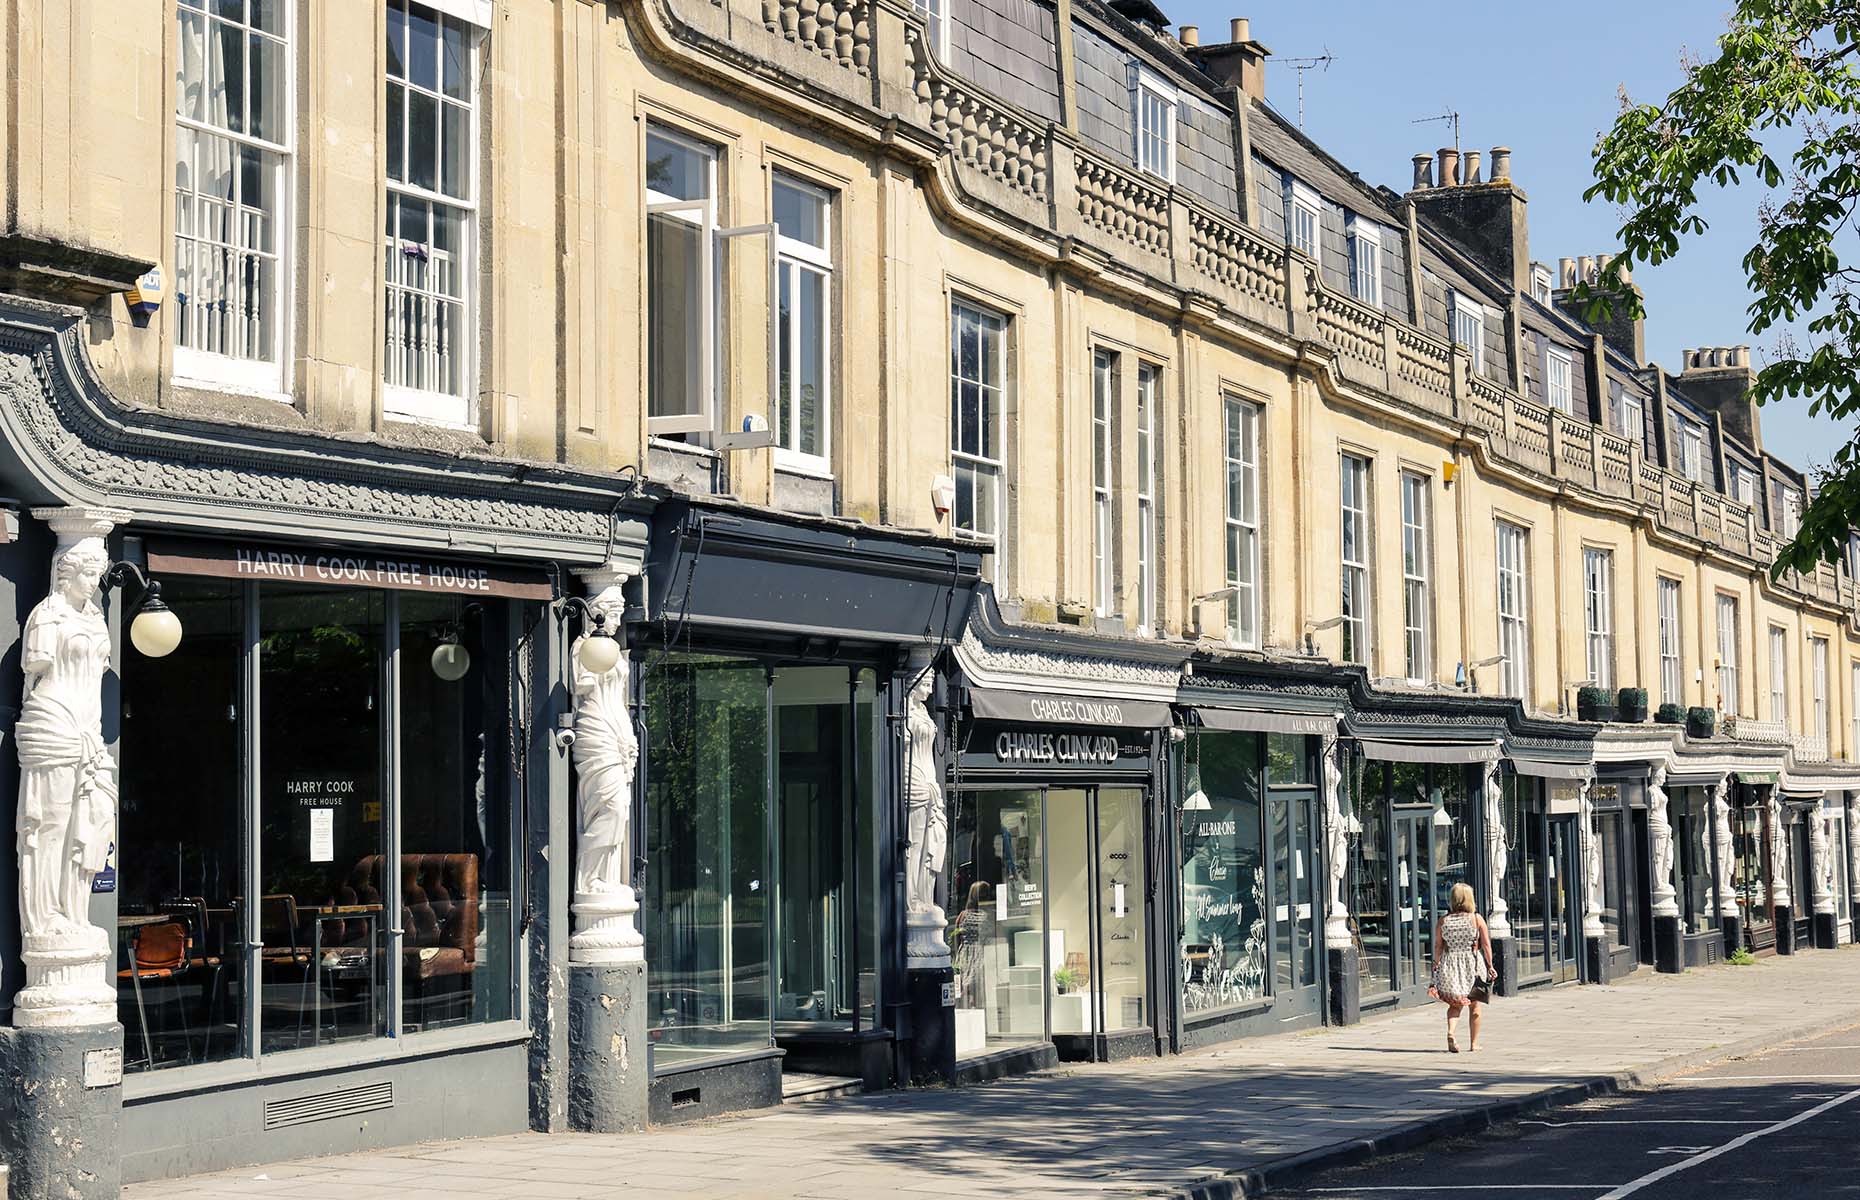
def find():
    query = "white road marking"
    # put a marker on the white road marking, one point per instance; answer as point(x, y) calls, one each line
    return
point(1736, 1143)
point(1677, 1149)
point(1659, 1121)
point(1468, 1187)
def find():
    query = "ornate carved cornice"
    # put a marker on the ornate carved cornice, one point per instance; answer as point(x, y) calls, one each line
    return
point(64, 439)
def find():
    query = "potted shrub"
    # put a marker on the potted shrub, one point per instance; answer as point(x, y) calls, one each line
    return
point(1592, 705)
point(1701, 722)
point(1065, 979)
point(1670, 714)
point(1631, 705)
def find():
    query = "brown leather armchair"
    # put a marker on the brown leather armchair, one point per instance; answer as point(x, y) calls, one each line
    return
point(439, 912)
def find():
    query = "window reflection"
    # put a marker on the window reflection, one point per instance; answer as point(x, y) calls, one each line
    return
point(1223, 954)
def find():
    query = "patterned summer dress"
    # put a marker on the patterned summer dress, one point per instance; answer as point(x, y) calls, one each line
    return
point(1462, 965)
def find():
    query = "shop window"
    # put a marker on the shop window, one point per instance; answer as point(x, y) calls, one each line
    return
point(362, 752)
point(998, 871)
point(803, 413)
point(1371, 877)
point(1752, 884)
point(232, 156)
point(758, 910)
point(1224, 930)
point(431, 251)
point(1525, 902)
point(1691, 816)
point(1608, 830)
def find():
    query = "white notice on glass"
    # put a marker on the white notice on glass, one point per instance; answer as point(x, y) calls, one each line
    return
point(1001, 903)
point(1117, 899)
point(322, 835)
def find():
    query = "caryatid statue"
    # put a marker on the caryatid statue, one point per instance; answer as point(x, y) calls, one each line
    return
point(67, 782)
point(1820, 862)
point(1497, 852)
point(1779, 854)
point(1724, 850)
point(606, 755)
point(1853, 840)
point(1337, 846)
point(926, 823)
point(1592, 866)
point(1660, 839)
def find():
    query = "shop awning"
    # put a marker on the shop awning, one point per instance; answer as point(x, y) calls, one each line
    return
point(1428, 752)
point(1000, 704)
point(1243, 720)
point(1551, 768)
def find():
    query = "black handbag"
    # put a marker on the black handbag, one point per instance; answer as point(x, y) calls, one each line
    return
point(1481, 990)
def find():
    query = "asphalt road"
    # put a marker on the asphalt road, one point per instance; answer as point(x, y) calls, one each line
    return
point(1781, 1124)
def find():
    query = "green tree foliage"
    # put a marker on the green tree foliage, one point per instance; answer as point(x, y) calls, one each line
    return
point(1785, 76)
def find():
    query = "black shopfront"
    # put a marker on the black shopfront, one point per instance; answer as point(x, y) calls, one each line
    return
point(1052, 876)
point(772, 673)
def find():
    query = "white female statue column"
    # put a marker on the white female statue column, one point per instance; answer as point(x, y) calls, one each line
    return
point(1724, 852)
point(1821, 863)
point(1660, 834)
point(1592, 867)
point(926, 825)
point(606, 754)
point(1853, 843)
point(1779, 855)
point(1497, 853)
point(67, 782)
point(1337, 847)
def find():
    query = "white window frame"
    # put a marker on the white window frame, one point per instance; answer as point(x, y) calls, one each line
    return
point(1853, 709)
point(1417, 592)
point(1672, 677)
point(794, 257)
point(1691, 449)
point(1302, 201)
point(1540, 283)
point(1727, 654)
point(424, 404)
point(702, 214)
point(1779, 675)
point(1149, 394)
point(1514, 609)
point(1598, 589)
point(1153, 98)
point(1633, 427)
point(1365, 260)
point(988, 322)
point(265, 377)
point(1106, 366)
point(1789, 519)
point(936, 21)
point(1467, 318)
point(1240, 438)
point(1559, 385)
point(1818, 685)
point(1356, 604)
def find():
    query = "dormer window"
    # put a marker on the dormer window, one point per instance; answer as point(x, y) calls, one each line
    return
point(1691, 449)
point(1469, 329)
point(1366, 261)
point(1540, 283)
point(1154, 101)
point(1557, 371)
point(1302, 208)
point(1743, 484)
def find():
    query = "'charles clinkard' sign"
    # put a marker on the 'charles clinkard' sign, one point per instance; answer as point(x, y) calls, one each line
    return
point(1040, 746)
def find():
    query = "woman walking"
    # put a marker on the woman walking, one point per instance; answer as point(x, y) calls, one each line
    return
point(1462, 964)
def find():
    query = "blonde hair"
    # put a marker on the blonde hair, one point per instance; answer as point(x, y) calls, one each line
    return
point(1460, 900)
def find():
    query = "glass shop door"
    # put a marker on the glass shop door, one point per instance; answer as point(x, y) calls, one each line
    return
point(1413, 861)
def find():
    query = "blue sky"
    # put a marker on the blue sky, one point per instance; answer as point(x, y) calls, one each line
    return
point(1543, 79)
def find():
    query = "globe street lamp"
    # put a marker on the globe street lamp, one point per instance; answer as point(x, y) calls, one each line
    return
point(155, 630)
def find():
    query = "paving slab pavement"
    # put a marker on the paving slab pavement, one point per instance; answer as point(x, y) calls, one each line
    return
point(1209, 1124)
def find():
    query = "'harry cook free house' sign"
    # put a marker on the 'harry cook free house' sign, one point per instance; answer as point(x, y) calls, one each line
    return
point(345, 568)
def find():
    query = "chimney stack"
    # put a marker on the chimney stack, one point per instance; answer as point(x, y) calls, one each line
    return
point(1720, 378)
point(1240, 63)
point(1486, 216)
point(1626, 336)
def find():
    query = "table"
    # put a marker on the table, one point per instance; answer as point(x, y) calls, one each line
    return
point(371, 915)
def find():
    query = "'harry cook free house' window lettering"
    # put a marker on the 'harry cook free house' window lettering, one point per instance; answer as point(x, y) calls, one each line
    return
point(385, 572)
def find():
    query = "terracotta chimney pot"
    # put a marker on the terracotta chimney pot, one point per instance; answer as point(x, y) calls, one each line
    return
point(1449, 167)
point(1423, 172)
point(1191, 36)
point(1501, 164)
point(1471, 172)
point(1241, 31)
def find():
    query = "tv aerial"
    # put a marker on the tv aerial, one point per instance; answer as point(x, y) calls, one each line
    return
point(1319, 62)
